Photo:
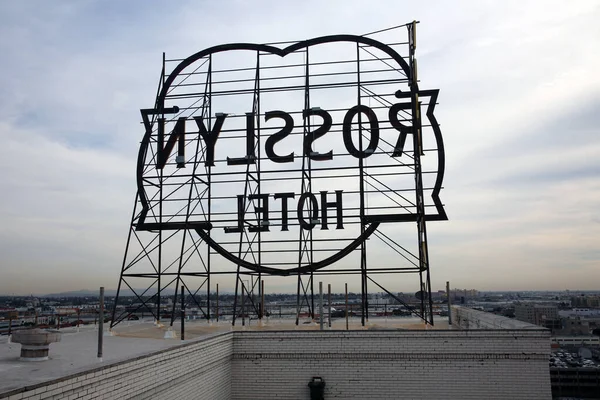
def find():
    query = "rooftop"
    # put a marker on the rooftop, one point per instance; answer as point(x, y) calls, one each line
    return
point(77, 350)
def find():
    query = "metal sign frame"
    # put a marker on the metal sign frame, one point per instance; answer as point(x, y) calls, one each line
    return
point(178, 172)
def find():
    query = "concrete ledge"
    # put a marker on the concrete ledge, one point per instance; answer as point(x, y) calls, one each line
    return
point(467, 318)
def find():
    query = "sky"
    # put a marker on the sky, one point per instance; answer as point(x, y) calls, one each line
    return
point(518, 107)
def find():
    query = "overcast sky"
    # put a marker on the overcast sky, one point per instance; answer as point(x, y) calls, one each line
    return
point(519, 108)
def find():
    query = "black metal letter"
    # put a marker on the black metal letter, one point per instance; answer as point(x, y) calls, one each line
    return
point(240, 218)
point(146, 113)
point(284, 207)
point(164, 150)
point(338, 207)
point(210, 138)
point(250, 157)
point(399, 126)
point(310, 137)
point(314, 211)
point(347, 131)
point(276, 137)
point(263, 221)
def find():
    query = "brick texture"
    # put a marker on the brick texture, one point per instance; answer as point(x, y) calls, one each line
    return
point(392, 365)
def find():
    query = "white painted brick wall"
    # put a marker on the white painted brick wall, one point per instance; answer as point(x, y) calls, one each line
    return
point(392, 365)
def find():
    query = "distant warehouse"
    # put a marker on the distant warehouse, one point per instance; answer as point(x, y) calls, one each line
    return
point(537, 314)
point(576, 340)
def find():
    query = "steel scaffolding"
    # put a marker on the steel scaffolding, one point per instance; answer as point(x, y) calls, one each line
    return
point(193, 198)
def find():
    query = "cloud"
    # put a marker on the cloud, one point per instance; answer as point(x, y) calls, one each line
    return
point(519, 90)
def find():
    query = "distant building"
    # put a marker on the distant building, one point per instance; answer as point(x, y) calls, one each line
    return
point(576, 340)
point(461, 295)
point(585, 301)
point(580, 312)
point(537, 314)
point(576, 326)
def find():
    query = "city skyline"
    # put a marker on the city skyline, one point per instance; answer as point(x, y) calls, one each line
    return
point(518, 101)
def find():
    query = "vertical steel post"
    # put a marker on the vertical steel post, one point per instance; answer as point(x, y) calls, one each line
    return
point(257, 148)
point(321, 305)
point(346, 306)
point(182, 314)
point(262, 298)
point(329, 305)
point(209, 193)
point(361, 184)
point(217, 302)
point(160, 235)
point(101, 322)
point(312, 289)
point(449, 303)
point(243, 304)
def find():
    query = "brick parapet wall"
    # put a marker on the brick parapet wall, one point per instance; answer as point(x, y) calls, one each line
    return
point(401, 364)
point(175, 371)
point(433, 364)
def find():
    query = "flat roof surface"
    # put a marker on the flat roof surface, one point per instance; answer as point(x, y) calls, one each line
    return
point(77, 350)
point(198, 328)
